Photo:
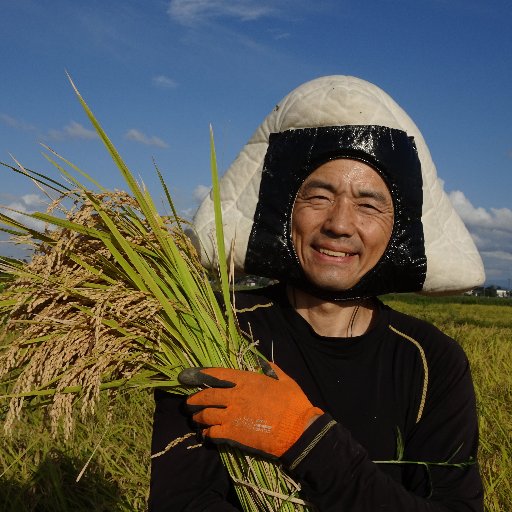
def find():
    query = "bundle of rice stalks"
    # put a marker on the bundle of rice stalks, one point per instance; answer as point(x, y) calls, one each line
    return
point(113, 298)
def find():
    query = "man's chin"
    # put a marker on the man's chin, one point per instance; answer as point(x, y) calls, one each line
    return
point(331, 285)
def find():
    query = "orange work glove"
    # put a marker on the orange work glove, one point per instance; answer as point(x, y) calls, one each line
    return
point(262, 413)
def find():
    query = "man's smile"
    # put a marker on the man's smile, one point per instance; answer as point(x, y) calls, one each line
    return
point(341, 223)
point(337, 254)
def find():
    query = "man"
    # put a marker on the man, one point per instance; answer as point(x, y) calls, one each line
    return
point(367, 408)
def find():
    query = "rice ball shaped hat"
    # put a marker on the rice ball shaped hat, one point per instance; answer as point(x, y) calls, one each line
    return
point(430, 250)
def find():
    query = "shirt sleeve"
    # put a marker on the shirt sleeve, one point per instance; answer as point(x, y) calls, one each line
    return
point(337, 474)
point(185, 474)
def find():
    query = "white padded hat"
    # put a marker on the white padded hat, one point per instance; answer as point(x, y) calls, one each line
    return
point(452, 260)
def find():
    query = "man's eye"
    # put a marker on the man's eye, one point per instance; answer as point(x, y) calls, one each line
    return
point(319, 200)
point(368, 206)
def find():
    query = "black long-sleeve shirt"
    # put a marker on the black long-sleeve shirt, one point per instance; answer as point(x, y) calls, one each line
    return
point(403, 382)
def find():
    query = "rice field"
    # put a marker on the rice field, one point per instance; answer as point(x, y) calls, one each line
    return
point(484, 329)
point(109, 454)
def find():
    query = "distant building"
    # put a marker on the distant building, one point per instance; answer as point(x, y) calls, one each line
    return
point(489, 291)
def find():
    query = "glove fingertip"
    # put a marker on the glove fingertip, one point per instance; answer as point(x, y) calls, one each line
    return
point(212, 433)
point(191, 377)
point(268, 368)
point(199, 377)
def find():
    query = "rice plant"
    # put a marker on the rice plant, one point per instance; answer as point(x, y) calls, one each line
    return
point(484, 330)
point(114, 298)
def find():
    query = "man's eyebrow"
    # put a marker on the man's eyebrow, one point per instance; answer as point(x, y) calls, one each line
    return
point(363, 192)
point(373, 194)
point(314, 183)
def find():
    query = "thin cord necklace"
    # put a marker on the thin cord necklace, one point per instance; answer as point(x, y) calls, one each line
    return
point(350, 326)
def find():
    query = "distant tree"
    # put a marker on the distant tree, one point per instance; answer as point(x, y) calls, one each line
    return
point(485, 291)
point(490, 291)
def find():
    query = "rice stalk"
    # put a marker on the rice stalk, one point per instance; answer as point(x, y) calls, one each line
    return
point(114, 297)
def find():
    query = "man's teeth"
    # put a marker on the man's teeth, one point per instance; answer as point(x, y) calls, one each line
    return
point(334, 253)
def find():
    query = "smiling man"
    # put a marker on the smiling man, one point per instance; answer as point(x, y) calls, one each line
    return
point(341, 224)
point(367, 408)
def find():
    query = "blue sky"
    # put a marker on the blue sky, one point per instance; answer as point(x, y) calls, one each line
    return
point(157, 73)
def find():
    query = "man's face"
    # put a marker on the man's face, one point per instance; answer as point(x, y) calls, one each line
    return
point(341, 224)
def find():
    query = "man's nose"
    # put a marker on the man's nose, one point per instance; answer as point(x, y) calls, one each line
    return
point(340, 218)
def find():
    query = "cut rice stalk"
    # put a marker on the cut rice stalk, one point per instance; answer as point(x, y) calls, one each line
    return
point(115, 297)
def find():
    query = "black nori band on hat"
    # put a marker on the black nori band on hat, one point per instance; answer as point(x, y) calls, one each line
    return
point(291, 157)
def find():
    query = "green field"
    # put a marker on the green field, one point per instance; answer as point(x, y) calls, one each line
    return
point(484, 328)
point(38, 473)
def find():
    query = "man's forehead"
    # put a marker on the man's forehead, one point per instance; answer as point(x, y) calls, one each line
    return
point(339, 173)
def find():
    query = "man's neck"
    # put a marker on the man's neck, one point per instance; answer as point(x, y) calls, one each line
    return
point(342, 319)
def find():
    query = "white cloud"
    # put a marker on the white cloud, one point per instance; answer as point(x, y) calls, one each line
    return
point(498, 267)
point(491, 230)
point(164, 82)
point(73, 130)
point(138, 136)
point(192, 12)
point(494, 218)
point(16, 123)
point(200, 192)
point(33, 200)
point(500, 255)
point(278, 34)
point(187, 213)
point(77, 131)
point(25, 205)
point(282, 35)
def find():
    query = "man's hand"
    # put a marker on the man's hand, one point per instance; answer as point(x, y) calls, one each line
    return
point(262, 413)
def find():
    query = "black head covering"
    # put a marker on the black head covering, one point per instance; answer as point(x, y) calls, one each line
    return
point(291, 157)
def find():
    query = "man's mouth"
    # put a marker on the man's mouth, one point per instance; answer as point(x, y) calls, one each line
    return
point(337, 254)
